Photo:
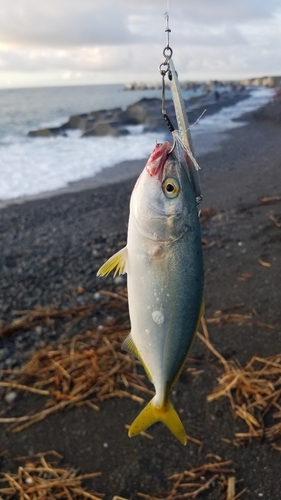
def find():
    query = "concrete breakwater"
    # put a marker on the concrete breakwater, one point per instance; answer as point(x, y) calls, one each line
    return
point(146, 112)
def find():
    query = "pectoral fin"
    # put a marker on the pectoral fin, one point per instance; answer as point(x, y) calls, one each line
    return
point(166, 414)
point(117, 262)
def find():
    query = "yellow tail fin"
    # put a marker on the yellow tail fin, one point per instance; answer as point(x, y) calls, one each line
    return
point(166, 414)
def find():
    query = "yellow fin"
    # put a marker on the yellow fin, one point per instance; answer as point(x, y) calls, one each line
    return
point(130, 346)
point(117, 262)
point(166, 414)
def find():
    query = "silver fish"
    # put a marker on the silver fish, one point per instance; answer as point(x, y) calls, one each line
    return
point(164, 264)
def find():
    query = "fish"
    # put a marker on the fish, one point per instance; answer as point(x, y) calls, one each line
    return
point(164, 265)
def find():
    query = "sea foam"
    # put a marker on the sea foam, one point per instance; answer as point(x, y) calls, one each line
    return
point(30, 166)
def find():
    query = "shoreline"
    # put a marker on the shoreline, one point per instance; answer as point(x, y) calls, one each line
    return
point(236, 175)
point(128, 169)
point(110, 175)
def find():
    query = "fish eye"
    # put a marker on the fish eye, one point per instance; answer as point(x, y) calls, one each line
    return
point(170, 187)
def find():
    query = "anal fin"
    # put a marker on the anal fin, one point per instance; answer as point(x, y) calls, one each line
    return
point(130, 346)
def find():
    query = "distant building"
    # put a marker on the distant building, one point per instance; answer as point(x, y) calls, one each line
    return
point(264, 81)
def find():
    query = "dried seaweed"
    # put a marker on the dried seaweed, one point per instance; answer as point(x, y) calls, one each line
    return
point(41, 477)
point(254, 392)
point(275, 220)
point(214, 475)
point(207, 213)
point(266, 200)
point(222, 317)
point(30, 318)
point(86, 369)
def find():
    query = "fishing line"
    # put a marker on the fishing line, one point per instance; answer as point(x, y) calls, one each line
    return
point(168, 7)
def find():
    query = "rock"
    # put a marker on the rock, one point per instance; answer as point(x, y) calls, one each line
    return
point(77, 121)
point(104, 115)
point(86, 121)
point(106, 128)
point(43, 132)
point(110, 122)
point(4, 353)
point(10, 397)
point(119, 280)
point(141, 112)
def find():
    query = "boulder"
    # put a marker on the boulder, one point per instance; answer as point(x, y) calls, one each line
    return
point(77, 121)
point(104, 115)
point(113, 121)
point(105, 128)
point(47, 132)
point(141, 112)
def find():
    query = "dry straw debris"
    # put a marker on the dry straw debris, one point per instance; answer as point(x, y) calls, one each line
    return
point(28, 319)
point(226, 316)
point(87, 369)
point(254, 392)
point(215, 475)
point(91, 367)
point(41, 477)
point(275, 220)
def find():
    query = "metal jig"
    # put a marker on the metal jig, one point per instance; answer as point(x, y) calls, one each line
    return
point(182, 136)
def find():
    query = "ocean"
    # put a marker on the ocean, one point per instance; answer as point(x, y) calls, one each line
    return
point(31, 166)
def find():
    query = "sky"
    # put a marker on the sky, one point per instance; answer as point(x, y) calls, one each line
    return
point(80, 42)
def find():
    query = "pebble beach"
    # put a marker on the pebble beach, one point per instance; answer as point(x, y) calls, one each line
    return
point(51, 249)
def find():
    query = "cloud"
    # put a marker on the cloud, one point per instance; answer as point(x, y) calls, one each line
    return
point(105, 40)
point(63, 23)
point(220, 11)
point(106, 22)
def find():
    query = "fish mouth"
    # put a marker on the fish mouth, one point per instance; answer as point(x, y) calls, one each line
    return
point(156, 162)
